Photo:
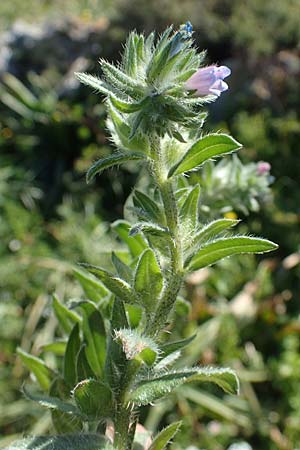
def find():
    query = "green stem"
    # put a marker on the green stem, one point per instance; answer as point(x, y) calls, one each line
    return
point(175, 278)
point(122, 439)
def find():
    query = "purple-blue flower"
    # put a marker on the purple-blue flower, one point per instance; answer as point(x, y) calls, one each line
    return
point(209, 80)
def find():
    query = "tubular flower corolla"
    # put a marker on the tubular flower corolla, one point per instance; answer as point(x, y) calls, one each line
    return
point(209, 80)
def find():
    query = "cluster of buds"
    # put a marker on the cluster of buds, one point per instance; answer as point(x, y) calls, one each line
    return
point(158, 86)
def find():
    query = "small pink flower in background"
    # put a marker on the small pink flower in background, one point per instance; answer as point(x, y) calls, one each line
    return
point(263, 168)
point(209, 80)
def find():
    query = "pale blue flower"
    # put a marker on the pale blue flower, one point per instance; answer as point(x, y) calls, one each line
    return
point(209, 80)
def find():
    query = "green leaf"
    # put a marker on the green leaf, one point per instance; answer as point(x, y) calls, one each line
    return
point(124, 131)
point(86, 441)
point(37, 366)
point(214, 228)
point(116, 359)
point(70, 359)
point(148, 228)
point(95, 335)
point(83, 368)
point(53, 403)
point(207, 147)
point(120, 80)
point(110, 161)
point(57, 347)
point(163, 438)
point(189, 209)
point(93, 289)
point(93, 398)
point(94, 82)
point(134, 314)
point(148, 281)
point(148, 390)
point(126, 107)
point(171, 347)
point(149, 206)
point(212, 252)
point(123, 270)
point(62, 421)
point(66, 318)
point(115, 284)
point(136, 244)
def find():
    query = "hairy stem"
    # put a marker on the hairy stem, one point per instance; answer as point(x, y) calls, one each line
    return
point(122, 438)
point(175, 277)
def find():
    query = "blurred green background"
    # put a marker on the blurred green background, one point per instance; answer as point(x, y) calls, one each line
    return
point(245, 310)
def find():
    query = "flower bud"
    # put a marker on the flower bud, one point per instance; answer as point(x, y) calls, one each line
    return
point(263, 168)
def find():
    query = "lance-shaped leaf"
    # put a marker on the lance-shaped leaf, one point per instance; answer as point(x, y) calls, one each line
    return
point(163, 438)
point(67, 318)
point(116, 359)
point(214, 228)
point(126, 107)
point(212, 252)
point(110, 161)
point(124, 271)
point(70, 358)
point(189, 209)
point(206, 148)
point(93, 398)
point(94, 332)
point(121, 81)
point(57, 347)
point(62, 421)
point(136, 346)
point(94, 82)
point(37, 366)
point(148, 228)
point(115, 284)
point(53, 403)
point(83, 369)
point(148, 205)
point(148, 281)
point(174, 346)
point(149, 390)
point(117, 124)
point(92, 287)
point(136, 244)
point(86, 441)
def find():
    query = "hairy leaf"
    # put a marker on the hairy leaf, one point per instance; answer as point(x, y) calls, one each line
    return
point(212, 252)
point(171, 347)
point(136, 244)
point(53, 403)
point(115, 284)
point(110, 161)
point(163, 438)
point(149, 206)
point(70, 358)
point(214, 228)
point(207, 147)
point(149, 390)
point(148, 280)
point(95, 336)
point(86, 441)
point(93, 398)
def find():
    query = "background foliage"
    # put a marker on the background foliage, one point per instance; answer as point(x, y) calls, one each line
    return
point(245, 311)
